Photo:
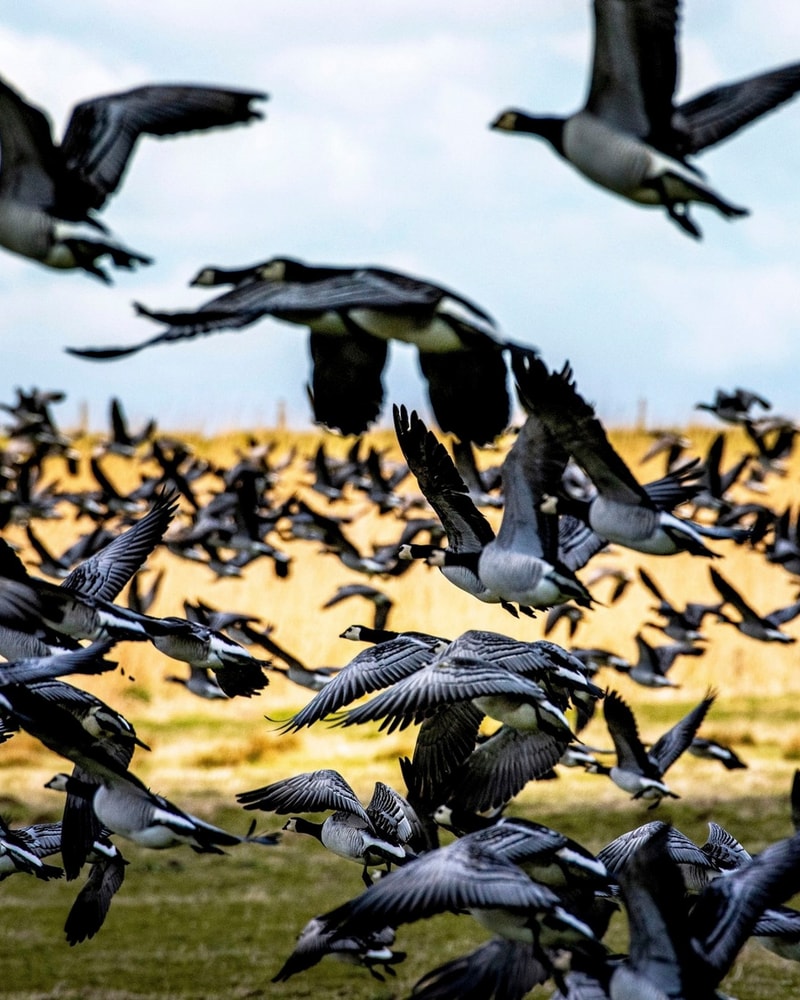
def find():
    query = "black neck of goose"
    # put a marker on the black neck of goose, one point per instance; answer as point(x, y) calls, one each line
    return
point(363, 633)
point(306, 826)
point(549, 128)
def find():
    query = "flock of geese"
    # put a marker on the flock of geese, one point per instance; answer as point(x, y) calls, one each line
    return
point(493, 713)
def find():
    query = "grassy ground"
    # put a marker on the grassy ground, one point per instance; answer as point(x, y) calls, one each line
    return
point(189, 926)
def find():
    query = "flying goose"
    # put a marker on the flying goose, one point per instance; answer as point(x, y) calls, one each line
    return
point(525, 563)
point(372, 669)
point(708, 749)
point(371, 948)
point(639, 771)
point(621, 510)
point(49, 192)
point(105, 878)
point(765, 628)
point(352, 313)
point(631, 137)
point(734, 407)
point(377, 834)
point(126, 807)
point(676, 951)
point(697, 867)
point(22, 850)
point(682, 626)
point(482, 873)
point(654, 662)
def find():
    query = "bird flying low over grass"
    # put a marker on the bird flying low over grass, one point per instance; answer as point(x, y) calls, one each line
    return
point(631, 137)
point(49, 192)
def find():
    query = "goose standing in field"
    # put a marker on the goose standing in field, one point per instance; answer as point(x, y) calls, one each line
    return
point(631, 137)
point(765, 628)
point(49, 193)
point(352, 313)
point(639, 771)
point(378, 834)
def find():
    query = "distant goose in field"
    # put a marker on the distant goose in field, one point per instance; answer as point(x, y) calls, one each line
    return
point(352, 314)
point(734, 407)
point(621, 510)
point(49, 193)
point(682, 626)
point(639, 771)
point(654, 662)
point(765, 628)
point(378, 834)
point(631, 137)
point(124, 806)
point(708, 749)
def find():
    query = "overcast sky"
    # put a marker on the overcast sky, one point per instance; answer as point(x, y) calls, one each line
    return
point(375, 150)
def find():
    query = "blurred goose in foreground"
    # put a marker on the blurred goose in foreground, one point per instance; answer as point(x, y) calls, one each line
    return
point(640, 771)
point(765, 628)
point(352, 313)
point(373, 835)
point(49, 192)
point(631, 137)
